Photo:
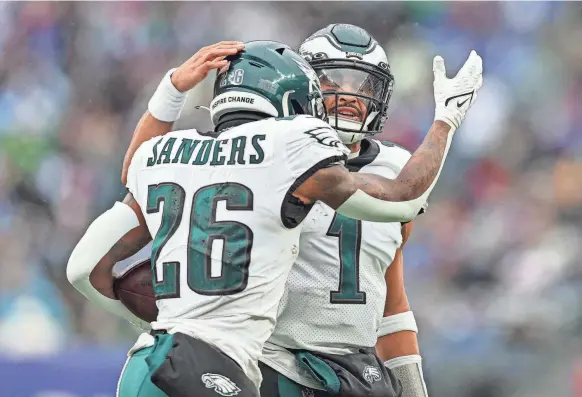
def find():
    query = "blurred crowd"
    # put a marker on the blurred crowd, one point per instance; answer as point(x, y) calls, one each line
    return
point(493, 269)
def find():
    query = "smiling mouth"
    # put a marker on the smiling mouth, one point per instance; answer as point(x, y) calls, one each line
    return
point(348, 112)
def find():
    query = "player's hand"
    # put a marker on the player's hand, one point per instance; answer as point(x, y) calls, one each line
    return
point(195, 69)
point(455, 96)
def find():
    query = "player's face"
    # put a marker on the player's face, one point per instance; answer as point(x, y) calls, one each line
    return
point(347, 81)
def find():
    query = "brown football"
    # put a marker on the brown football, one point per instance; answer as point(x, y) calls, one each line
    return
point(135, 290)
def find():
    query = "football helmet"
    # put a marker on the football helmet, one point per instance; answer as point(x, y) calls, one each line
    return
point(267, 78)
point(355, 78)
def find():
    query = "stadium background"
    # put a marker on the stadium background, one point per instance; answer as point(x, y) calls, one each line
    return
point(493, 269)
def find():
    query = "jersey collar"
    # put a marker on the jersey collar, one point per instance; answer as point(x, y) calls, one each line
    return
point(368, 153)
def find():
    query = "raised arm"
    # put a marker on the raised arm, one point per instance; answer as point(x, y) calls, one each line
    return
point(166, 104)
point(147, 128)
point(373, 198)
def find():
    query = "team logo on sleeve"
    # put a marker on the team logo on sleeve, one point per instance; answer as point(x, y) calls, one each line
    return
point(221, 384)
point(325, 136)
point(372, 374)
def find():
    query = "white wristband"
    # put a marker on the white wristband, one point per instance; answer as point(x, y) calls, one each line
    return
point(396, 323)
point(167, 102)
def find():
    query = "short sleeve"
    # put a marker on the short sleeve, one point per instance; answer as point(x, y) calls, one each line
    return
point(312, 145)
point(135, 167)
point(132, 172)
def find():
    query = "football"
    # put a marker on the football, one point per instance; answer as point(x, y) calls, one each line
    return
point(135, 290)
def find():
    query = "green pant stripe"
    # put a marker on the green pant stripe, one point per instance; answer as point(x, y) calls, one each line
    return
point(135, 378)
point(288, 388)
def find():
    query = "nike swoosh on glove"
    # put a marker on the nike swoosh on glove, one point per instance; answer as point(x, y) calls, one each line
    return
point(454, 97)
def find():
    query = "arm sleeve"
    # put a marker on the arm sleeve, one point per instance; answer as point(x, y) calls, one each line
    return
point(101, 235)
point(362, 206)
point(408, 369)
point(389, 164)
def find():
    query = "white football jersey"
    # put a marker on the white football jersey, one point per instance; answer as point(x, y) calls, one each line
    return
point(335, 294)
point(224, 223)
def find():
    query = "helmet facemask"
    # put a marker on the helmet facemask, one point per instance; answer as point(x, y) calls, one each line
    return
point(356, 96)
point(316, 104)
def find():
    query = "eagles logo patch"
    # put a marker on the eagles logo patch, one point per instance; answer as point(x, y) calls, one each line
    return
point(372, 374)
point(221, 384)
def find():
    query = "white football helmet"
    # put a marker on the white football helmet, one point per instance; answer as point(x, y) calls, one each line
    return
point(355, 79)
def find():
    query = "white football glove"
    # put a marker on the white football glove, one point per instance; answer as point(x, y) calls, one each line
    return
point(453, 97)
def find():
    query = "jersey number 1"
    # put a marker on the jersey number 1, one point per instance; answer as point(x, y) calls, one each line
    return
point(349, 233)
point(203, 231)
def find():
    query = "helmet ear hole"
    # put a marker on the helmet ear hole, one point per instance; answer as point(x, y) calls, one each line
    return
point(297, 109)
point(280, 50)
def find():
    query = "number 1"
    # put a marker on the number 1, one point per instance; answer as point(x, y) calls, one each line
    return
point(349, 233)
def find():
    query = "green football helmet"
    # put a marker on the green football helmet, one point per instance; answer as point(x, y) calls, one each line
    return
point(269, 79)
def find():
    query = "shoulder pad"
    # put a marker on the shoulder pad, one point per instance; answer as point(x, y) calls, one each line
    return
point(305, 120)
point(392, 144)
point(308, 127)
point(381, 154)
point(392, 155)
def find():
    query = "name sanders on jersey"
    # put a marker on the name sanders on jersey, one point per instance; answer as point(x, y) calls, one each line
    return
point(241, 150)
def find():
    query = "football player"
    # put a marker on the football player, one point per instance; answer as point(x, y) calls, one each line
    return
point(208, 197)
point(345, 293)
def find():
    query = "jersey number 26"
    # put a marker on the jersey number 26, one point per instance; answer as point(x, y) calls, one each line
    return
point(203, 230)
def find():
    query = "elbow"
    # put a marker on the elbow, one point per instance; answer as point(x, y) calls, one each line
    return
point(408, 216)
point(409, 211)
point(404, 203)
point(367, 208)
point(76, 272)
